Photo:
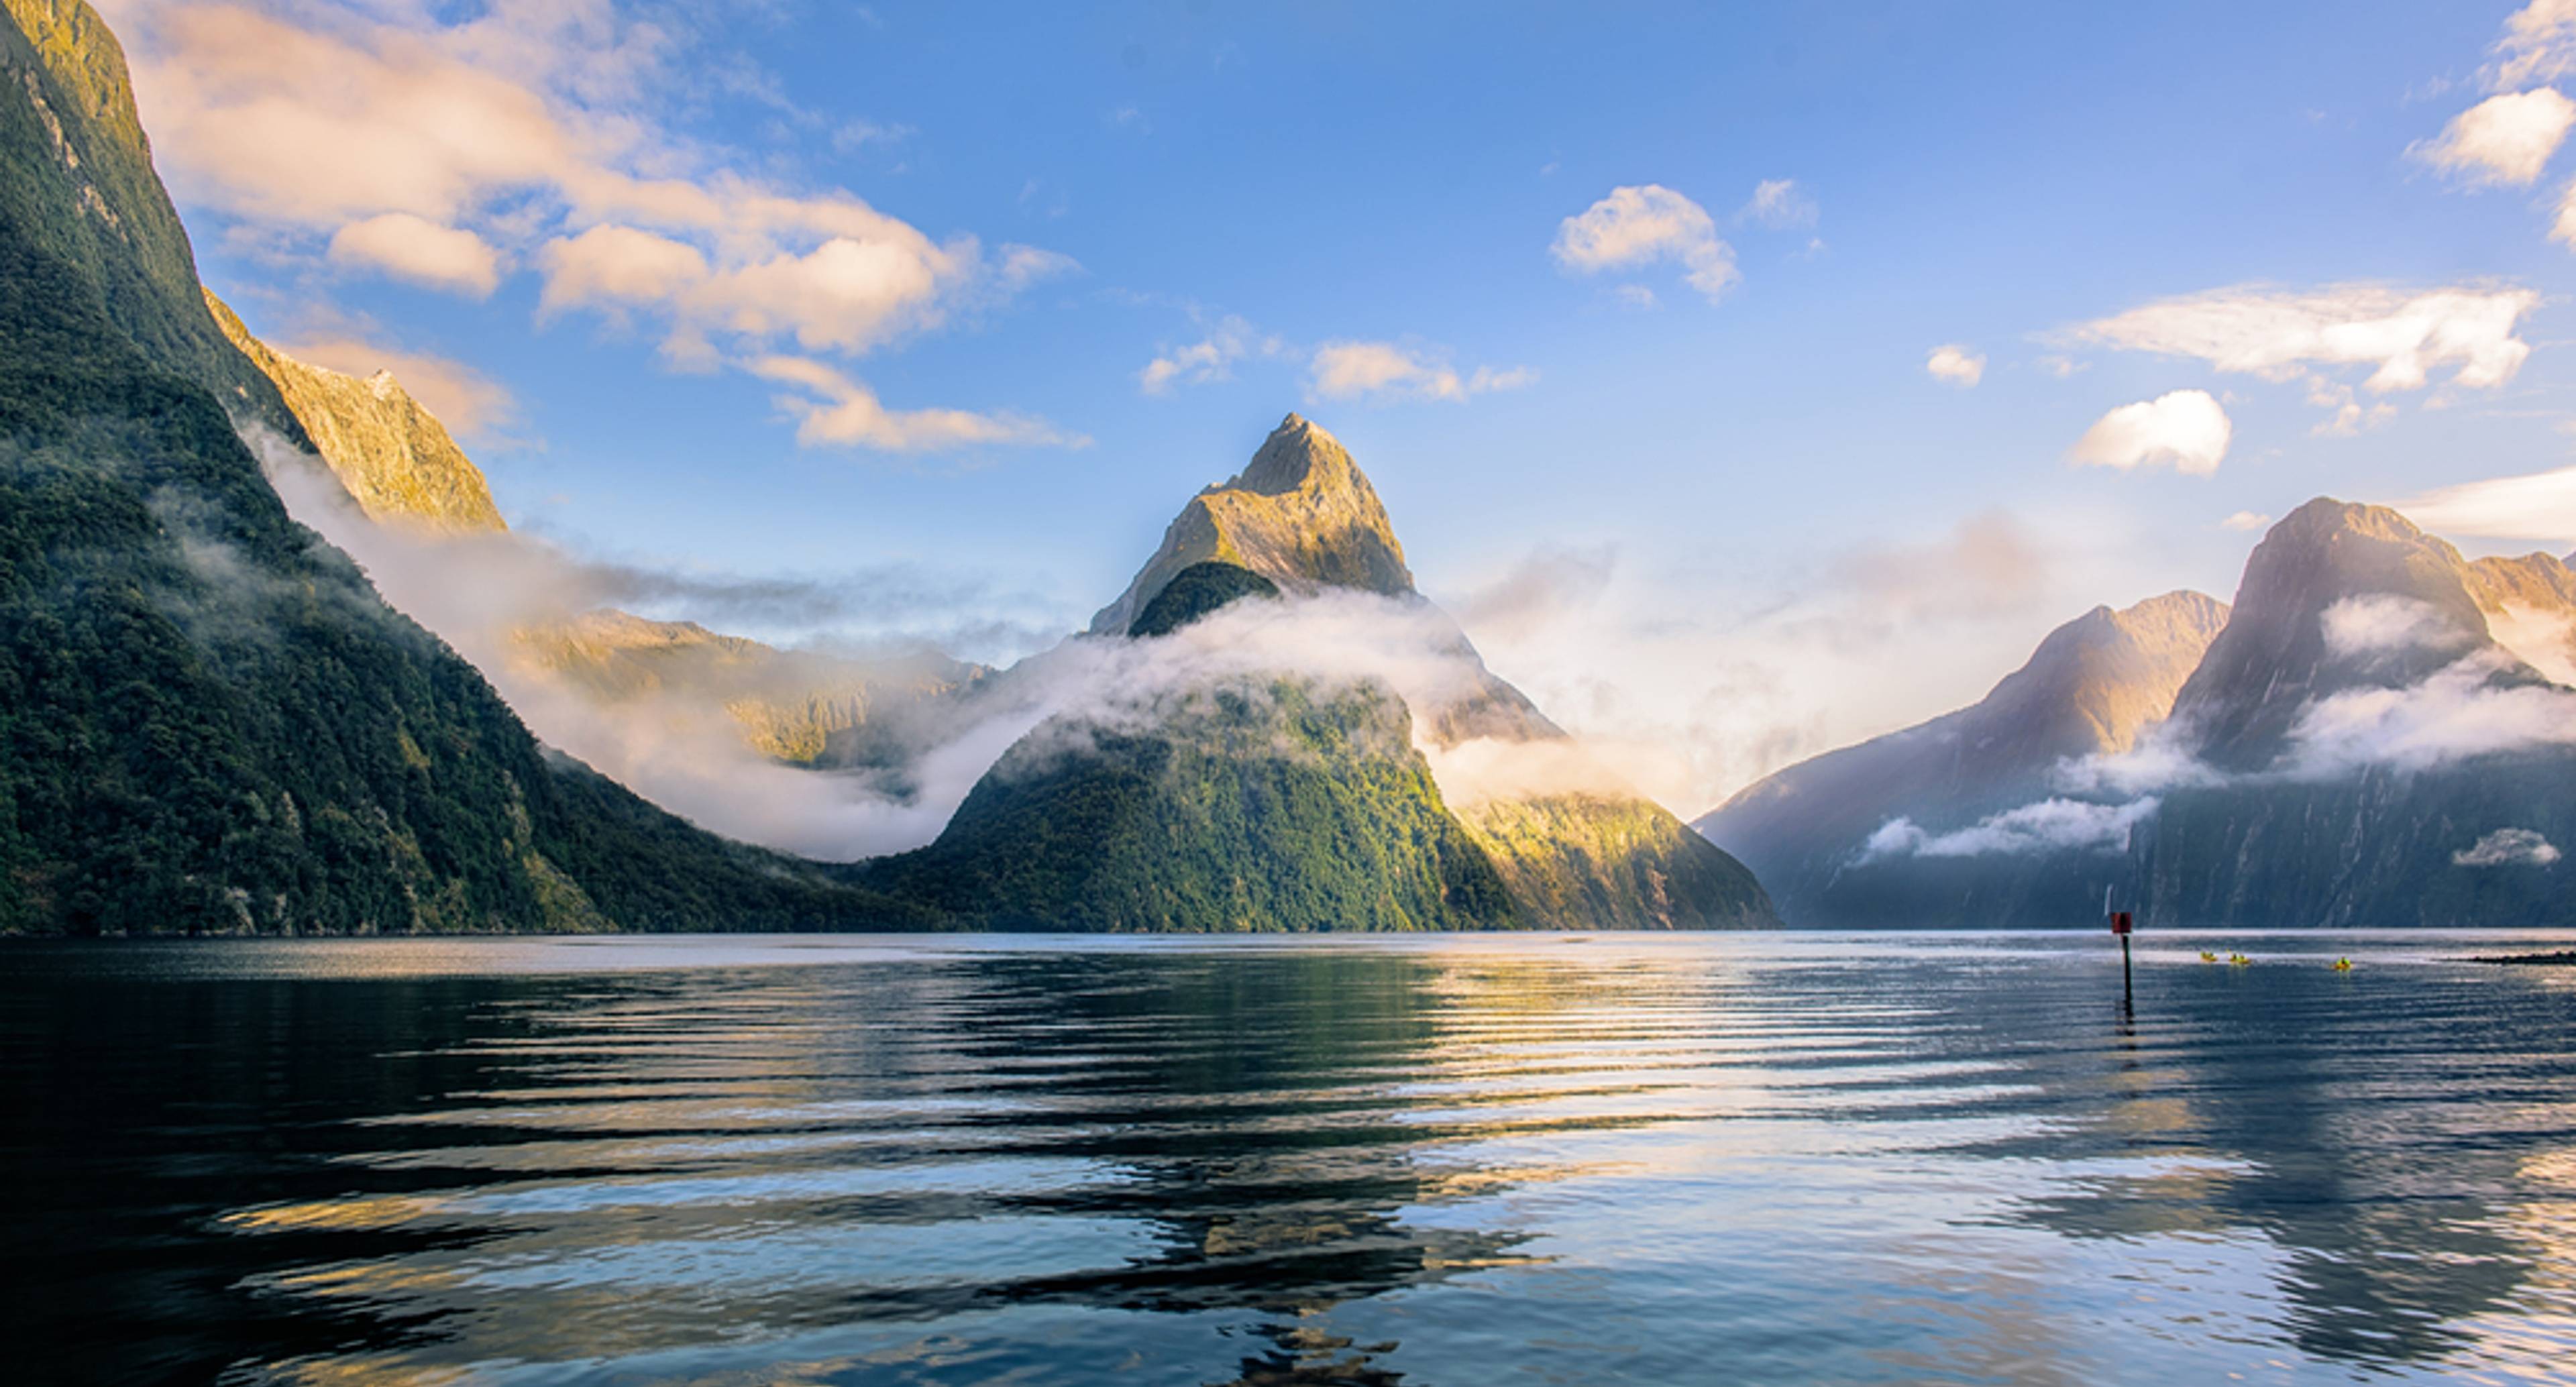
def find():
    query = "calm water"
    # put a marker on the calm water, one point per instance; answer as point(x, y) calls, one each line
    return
point(1471, 1160)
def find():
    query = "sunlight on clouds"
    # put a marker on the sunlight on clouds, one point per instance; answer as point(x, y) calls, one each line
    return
point(2539, 43)
point(1211, 358)
point(422, 251)
point(444, 153)
point(2185, 428)
point(2279, 334)
point(2246, 520)
point(839, 410)
point(1644, 225)
point(1383, 370)
point(2533, 506)
point(2503, 139)
point(1954, 364)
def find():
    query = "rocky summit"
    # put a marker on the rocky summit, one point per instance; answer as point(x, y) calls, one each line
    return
point(1301, 514)
point(1280, 801)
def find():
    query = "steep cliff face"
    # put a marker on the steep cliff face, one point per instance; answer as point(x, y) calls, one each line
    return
point(2091, 688)
point(2385, 760)
point(1301, 519)
point(395, 459)
point(208, 720)
point(1301, 515)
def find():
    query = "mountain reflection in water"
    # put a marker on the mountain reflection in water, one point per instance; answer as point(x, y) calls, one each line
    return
point(1336, 1160)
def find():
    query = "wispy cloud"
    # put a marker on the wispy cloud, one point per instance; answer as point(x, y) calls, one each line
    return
point(2283, 335)
point(836, 410)
point(1349, 370)
point(1780, 204)
point(2531, 506)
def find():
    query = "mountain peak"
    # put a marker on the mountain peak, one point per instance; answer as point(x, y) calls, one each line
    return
point(1300, 513)
point(2275, 655)
point(391, 455)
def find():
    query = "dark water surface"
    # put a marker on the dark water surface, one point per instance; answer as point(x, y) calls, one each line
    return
point(1458, 1160)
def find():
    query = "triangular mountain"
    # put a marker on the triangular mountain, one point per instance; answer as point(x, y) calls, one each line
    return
point(2090, 689)
point(2386, 761)
point(1301, 514)
point(208, 720)
point(1275, 801)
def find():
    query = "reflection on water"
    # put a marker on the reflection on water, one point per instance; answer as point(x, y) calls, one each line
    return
point(1456, 1160)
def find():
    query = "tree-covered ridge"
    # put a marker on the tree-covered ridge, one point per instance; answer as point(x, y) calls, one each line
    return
point(1196, 591)
point(1248, 807)
point(208, 721)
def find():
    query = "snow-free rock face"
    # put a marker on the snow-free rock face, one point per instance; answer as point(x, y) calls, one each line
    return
point(2091, 688)
point(1236, 810)
point(1301, 515)
point(393, 456)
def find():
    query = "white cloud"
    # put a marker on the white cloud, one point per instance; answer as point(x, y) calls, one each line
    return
point(2539, 43)
point(2507, 847)
point(2533, 506)
point(1350, 370)
point(2246, 520)
point(1956, 365)
point(2050, 825)
point(2381, 623)
point(536, 134)
point(422, 251)
point(1211, 358)
point(1780, 204)
point(2469, 708)
point(2185, 428)
point(2061, 367)
point(2281, 334)
point(1647, 224)
point(2504, 139)
point(842, 411)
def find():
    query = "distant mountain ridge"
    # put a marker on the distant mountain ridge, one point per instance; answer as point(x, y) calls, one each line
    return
point(2091, 688)
point(2358, 744)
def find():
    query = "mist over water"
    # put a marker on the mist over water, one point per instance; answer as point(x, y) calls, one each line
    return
point(1461, 1159)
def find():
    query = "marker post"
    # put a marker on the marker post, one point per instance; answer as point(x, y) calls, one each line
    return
point(2121, 925)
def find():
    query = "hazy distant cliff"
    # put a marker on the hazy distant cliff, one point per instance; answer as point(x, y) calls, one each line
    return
point(2371, 737)
point(2092, 686)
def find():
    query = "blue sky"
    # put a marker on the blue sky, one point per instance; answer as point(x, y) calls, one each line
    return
point(1738, 525)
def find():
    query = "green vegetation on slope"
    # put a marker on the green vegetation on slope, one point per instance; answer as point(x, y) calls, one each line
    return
point(1196, 591)
point(1268, 807)
point(208, 721)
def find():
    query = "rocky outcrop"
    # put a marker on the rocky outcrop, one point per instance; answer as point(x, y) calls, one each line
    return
point(393, 456)
point(1301, 515)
